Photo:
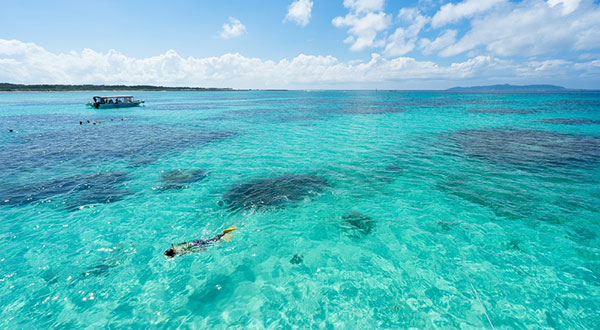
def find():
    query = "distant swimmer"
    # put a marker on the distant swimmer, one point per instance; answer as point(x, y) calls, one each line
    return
point(195, 245)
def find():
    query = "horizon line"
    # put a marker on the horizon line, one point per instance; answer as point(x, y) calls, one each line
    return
point(38, 87)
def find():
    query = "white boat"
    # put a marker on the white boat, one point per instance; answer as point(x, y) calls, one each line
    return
point(119, 101)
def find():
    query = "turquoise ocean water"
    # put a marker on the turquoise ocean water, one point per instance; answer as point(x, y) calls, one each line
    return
point(354, 210)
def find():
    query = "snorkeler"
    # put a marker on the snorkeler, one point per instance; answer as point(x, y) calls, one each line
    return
point(195, 245)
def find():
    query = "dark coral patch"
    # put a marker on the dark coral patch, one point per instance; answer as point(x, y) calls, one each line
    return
point(523, 147)
point(505, 111)
point(273, 192)
point(181, 178)
point(571, 121)
point(496, 197)
point(74, 192)
point(357, 225)
point(389, 173)
point(372, 110)
point(100, 191)
point(137, 144)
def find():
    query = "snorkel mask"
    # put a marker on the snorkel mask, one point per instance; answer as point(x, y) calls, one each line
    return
point(170, 252)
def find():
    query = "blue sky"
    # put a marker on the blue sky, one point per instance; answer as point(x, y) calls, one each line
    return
point(417, 44)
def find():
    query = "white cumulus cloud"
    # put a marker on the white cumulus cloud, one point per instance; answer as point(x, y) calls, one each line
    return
point(567, 6)
point(404, 40)
point(29, 63)
point(299, 12)
point(533, 28)
point(360, 6)
point(450, 13)
point(364, 21)
point(444, 40)
point(234, 28)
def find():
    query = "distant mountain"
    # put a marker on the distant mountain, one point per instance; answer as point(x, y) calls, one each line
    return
point(509, 88)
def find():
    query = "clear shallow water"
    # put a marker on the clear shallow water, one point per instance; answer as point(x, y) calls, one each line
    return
point(354, 209)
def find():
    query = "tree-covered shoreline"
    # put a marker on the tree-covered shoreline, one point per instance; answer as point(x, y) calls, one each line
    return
point(7, 87)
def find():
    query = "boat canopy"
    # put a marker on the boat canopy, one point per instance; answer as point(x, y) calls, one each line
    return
point(115, 97)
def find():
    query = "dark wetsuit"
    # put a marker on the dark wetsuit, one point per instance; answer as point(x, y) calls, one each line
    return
point(195, 245)
point(203, 242)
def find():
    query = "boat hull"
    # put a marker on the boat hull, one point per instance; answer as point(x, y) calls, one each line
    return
point(115, 105)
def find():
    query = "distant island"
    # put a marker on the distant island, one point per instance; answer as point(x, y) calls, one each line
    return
point(7, 87)
point(509, 88)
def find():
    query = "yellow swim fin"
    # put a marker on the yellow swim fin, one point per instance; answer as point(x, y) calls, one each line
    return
point(227, 237)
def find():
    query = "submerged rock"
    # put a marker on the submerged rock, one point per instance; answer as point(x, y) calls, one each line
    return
point(181, 179)
point(571, 121)
point(104, 268)
point(514, 245)
point(273, 192)
point(50, 276)
point(98, 270)
point(75, 191)
point(357, 225)
point(297, 259)
point(528, 148)
point(445, 225)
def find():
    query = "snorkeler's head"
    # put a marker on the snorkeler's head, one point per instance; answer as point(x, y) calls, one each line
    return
point(170, 252)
